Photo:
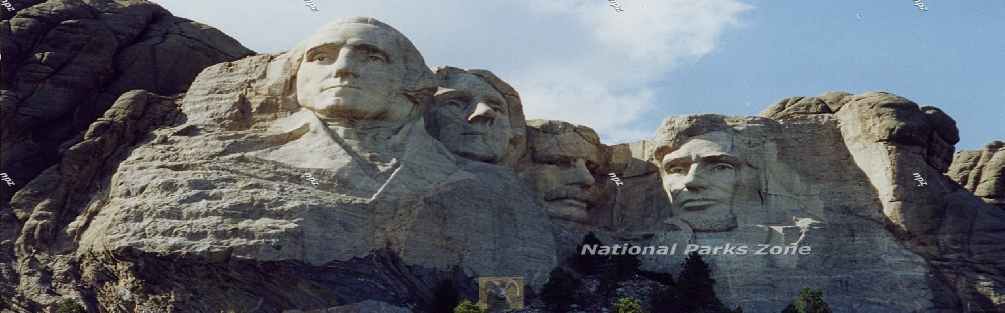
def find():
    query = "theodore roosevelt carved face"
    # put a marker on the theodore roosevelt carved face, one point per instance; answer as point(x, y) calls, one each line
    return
point(565, 160)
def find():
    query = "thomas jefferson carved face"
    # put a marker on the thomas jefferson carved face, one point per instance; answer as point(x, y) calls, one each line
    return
point(353, 71)
point(471, 118)
point(562, 172)
point(701, 177)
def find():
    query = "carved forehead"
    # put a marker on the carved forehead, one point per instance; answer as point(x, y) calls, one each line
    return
point(554, 140)
point(357, 34)
point(472, 85)
point(717, 144)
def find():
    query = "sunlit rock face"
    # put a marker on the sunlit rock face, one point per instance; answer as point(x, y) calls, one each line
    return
point(982, 172)
point(565, 167)
point(314, 161)
point(345, 174)
point(743, 181)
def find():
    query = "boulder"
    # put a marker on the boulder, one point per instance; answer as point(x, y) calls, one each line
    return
point(982, 172)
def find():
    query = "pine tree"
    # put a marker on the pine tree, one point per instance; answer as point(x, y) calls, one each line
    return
point(666, 300)
point(627, 305)
point(445, 297)
point(696, 286)
point(625, 266)
point(809, 301)
point(560, 291)
point(587, 264)
point(467, 307)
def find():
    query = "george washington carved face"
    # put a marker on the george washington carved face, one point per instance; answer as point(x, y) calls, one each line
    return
point(359, 69)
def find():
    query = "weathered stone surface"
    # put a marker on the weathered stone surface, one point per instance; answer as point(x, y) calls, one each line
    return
point(796, 105)
point(368, 306)
point(565, 164)
point(310, 181)
point(66, 62)
point(53, 208)
point(982, 172)
point(478, 116)
point(225, 189)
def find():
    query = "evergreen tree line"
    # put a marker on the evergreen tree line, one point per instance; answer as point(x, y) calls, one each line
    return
point(692, 292)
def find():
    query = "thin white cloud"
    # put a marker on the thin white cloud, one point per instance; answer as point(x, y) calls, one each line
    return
point(607, 87)
point(574, 60)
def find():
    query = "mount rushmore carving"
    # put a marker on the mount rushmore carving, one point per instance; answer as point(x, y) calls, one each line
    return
point(197, 202)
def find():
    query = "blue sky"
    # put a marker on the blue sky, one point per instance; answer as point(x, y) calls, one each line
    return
point(623, 72)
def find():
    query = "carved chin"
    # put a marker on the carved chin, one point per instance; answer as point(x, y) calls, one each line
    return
point(568, 213)
point(710, 221)
point(477, 149)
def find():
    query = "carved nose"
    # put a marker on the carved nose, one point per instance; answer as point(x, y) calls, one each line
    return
point(581, 175)
point(343, 66)
point(692, 182)
point(482, 113)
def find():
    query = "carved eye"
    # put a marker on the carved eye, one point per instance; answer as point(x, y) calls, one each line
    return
point(320, 57)
point(677, 169)
point(718, 167)
point(375, 58)
point(457, 102)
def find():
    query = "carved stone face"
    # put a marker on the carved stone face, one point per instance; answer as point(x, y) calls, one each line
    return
point(701, 177)
point(563, 175)
point(471, 118)
point(353, 71)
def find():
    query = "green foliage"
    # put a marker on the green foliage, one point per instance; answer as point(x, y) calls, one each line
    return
point(627, 305)
point(467, 307)
point(809, 301)
point(560, 291)
point(445, 297)
point(69, 306)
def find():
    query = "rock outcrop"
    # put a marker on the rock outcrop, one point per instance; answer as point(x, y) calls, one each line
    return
point(310, 181)
point(64, 62)
point(982, 172)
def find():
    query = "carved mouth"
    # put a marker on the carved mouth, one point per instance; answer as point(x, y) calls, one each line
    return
point(697, 204)
point(340, 86)
point(571, 202)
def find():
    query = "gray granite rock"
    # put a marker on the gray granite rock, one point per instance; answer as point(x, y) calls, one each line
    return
point(267, 187)
point(66, 62)
point(982, 172)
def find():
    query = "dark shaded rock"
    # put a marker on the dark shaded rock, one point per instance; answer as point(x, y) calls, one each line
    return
point(66, 61)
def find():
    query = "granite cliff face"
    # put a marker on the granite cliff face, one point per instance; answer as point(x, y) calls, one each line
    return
point(65, 62)
point(982, 172)
point(353, 178)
